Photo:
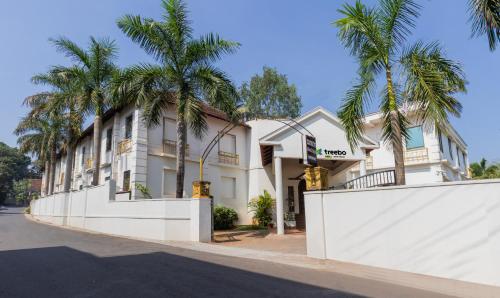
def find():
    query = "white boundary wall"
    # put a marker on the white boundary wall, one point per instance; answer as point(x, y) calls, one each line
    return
point(96, 209)
point(449, 230)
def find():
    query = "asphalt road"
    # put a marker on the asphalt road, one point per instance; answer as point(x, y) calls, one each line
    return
point(38, 260)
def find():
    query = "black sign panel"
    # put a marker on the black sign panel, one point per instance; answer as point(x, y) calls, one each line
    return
point(311, 157)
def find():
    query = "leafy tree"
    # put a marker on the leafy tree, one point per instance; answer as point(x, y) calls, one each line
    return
point(485, 18)
point(13, 166)
point(185, 76)
point(270, 96)
point(92, 74)
point(376, 37)
point(481, 170)
point(23, 192)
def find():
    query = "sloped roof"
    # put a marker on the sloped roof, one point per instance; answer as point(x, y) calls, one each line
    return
point(318, 110)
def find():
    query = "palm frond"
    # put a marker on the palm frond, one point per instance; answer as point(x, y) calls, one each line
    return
point(210, 47)
point(353, 108)
point(398, 18)
point(431, 82)
point(71, 50)
point(175, 16)
point(485, 18)
point(360, 26)
point(196, 117)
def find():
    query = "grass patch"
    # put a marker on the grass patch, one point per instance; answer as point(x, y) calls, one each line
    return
point(248, 228)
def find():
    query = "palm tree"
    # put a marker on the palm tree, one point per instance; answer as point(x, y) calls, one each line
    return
point(185, 76)
point(485, 18)
point(375, 36)
point(481, 170)
point(64, 102)
point(92, 74)
point(40, 133)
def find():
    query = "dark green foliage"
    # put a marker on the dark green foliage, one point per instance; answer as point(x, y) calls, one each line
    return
point(224, 218)
point(270, 96)
point(481, 170)
point(485, 18)
point(262, 207)
point(13, 166)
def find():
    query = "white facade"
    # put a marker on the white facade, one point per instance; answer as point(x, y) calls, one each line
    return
point(255, 156)
point(427, 160)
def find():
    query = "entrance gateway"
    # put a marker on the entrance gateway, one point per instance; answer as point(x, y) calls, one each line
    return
point(281, 152)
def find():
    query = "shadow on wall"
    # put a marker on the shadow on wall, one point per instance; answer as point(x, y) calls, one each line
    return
point(65, 272)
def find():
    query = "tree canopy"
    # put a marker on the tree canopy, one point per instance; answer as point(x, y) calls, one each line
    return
point(13, 166)
point(270, 96)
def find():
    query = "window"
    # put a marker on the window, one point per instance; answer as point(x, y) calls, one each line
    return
point(228, 187)
point(228, 143)
point(169, 182)
point(109, 138)
point(126, 180)
point(449, 148)
point(415, 138)
point(83, 156)
point(440, 140)
point(169, 129)
point(465, 158)
point(458, 157)
point(128, 126)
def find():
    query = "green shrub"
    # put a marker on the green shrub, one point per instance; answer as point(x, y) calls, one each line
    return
point(262, 207)
point(224, 218)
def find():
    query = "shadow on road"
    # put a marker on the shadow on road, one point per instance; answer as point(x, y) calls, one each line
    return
point(65, 272)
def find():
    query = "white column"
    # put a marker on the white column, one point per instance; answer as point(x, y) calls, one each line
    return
point(362, 164)
point(362, 167)
point(279, 196)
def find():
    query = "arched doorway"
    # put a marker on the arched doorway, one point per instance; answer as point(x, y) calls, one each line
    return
point(300, 218)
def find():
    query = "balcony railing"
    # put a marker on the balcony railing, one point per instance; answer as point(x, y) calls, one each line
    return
point(416, 156)
point(124, 146)
point(377, 179)
point(170, 147)
point(229, 158)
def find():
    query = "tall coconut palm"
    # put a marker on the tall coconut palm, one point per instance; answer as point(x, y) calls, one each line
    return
point(485, 18)
point(185, 75)
point(64, 102)
point(376, 37)
point(93, 73)
point(40, 133)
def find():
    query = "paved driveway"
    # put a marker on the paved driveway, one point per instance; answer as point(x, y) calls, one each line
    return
point(38, 260)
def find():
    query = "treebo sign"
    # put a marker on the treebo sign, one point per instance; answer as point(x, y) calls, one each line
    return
point(331, 153)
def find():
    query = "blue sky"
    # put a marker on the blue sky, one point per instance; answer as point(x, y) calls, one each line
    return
point(294, 36)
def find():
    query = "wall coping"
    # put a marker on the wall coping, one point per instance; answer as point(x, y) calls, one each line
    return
point(441, 184)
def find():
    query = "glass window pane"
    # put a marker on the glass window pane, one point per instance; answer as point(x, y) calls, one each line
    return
point(415, 138)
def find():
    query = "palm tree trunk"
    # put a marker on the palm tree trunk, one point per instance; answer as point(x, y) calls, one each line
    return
point(47, 177)
point(397, 138)
point(69, 168)
point(97, 148)
point(52, 178)
point(181, 154)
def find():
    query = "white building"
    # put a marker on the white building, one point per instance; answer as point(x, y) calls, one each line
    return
point(431, 155)
point(255, 156)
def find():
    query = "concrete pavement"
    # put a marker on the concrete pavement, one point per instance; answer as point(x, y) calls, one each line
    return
point(38, 260)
